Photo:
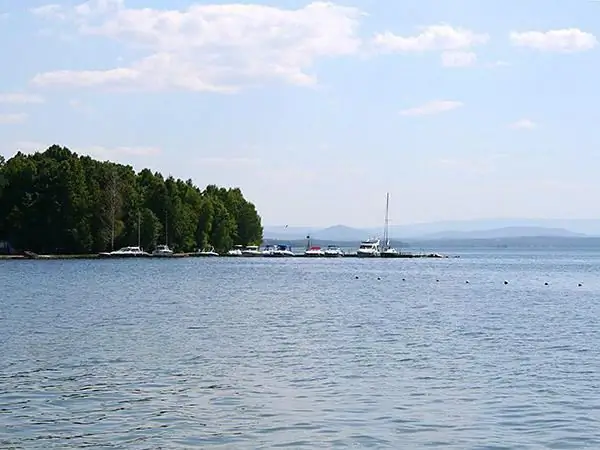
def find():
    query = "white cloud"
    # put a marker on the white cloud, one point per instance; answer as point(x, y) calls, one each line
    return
point(458, 59)
point(13, 118)
point(53, 10)
point(219, 47)
point(433, 107)
point(18, 97)
point(431, 38)
point(523, 124)
point(565, 40)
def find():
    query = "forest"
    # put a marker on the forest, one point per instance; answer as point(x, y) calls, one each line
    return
point(58, 202)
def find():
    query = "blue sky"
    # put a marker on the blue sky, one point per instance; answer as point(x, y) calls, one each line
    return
point(462, 109)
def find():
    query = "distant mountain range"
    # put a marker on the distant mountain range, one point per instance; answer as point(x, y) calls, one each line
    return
point(451, 230)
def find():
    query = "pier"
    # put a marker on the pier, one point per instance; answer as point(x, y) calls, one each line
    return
point(31, 256)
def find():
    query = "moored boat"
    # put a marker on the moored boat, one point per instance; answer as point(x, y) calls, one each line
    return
point(162, 251)
point(314, 252)
point(333, 251)
point(125, 252)
point(368, 248)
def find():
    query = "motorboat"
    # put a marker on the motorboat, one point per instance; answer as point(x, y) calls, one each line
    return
point(210, 251)
point(333, 251)
point(283, 250)
point(279, 251)
point(125, 252)
point(369, 248)
point(268, 250)
point(162, 251)
point(314, 251)
point(251, 250)
point(235, 251)
point(390, 253)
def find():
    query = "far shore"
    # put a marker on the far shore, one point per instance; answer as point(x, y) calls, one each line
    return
point(38, 257)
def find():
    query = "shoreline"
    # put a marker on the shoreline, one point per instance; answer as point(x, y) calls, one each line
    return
point(94, 256)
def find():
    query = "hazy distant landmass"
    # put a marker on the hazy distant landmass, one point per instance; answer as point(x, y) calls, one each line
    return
point(506, 232)
point(448, 230)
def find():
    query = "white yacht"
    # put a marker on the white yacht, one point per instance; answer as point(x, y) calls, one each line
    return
point(369, 248)
point(162, 251)
point(235, 251)
point(210, 251)
point(125, 252)
point(251, 250)
point(314, 251)
point(333, 251)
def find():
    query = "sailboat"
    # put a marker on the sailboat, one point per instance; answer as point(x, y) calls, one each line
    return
point(388, 251)
point(128, 252)
point(163, 250)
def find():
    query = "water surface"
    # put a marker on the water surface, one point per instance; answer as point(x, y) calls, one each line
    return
point(298, 353)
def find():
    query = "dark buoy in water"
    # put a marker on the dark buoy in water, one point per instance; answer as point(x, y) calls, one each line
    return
point(580, 284)
point(403, 279)
point(379, 278)
point(546, 283)
point(437, 281)
point(356, 277)
point(467, 282)
point(505, 282)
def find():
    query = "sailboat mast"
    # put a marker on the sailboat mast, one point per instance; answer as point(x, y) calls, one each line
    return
point(166, 229)
point(139, 226)
point(386, 227)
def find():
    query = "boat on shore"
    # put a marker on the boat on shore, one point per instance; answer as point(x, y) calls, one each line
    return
point(206, 252)
point(162, 251)
point(369, 248)
point(236, 251)
point(333, 251)
point(251, 251)
point(278, 251)
point(125, 252)
point(314, 252)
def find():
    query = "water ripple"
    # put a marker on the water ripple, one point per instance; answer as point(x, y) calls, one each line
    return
point(300, 354)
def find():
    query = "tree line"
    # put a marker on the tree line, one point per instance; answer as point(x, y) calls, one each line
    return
point(59, 202)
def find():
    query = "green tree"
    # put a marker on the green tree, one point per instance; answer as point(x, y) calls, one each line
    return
point(223, 228)
point(58, 201)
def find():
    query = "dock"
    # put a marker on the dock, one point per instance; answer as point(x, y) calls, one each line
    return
point(34, 256)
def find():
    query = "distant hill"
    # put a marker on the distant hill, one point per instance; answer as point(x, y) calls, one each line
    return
point(339, 233)
point(465, 229)
point(506, 232)
point(301, 243)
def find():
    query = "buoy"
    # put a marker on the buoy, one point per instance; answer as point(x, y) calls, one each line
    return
point(580, 285)
point(467, 281)
point(356, 277)
point(546, 283)
point(403, 279)
point(437, 281)
point(505, 282)
point(379, 278)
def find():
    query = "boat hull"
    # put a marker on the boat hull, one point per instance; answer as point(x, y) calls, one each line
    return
point(123, 256)
point(367, 255)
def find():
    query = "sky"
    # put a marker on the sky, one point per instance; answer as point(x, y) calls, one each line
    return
point(459, 109)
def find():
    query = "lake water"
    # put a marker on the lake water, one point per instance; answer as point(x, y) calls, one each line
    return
point(298, 353)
